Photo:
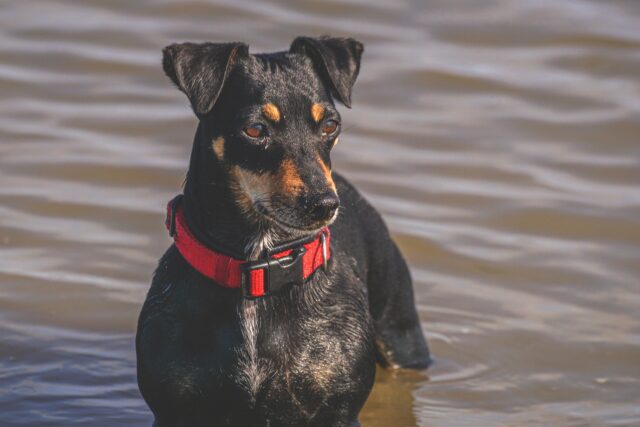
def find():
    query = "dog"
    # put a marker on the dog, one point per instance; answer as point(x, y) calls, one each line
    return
point(283, 287)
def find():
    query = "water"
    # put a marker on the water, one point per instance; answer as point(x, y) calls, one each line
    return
point(500, 139)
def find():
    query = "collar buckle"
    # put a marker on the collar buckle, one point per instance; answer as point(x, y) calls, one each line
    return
point(279, 273)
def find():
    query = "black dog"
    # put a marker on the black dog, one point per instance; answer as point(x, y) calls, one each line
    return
point(271, 309)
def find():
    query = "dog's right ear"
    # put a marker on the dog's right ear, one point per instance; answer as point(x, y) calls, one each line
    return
point(200, 70)
point(337, 59)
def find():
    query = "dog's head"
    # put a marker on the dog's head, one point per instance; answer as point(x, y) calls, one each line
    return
point(271, 121)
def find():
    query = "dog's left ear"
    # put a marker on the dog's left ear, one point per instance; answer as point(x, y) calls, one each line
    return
point(336, 59)
point(200, 70)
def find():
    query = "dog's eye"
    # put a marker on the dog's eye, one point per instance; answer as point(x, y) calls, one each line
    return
point(329, 127)
point(255, 131)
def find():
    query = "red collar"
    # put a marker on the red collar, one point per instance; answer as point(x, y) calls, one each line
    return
point(284, 265)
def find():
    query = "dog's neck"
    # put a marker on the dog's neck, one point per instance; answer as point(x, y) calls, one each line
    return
point(211, 209)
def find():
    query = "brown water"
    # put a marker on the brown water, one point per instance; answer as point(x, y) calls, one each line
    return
point(500, 139)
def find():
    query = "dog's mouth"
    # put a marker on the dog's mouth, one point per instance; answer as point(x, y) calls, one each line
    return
point(287, 225)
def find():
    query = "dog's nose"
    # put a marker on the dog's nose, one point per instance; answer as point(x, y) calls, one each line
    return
point(325, 206)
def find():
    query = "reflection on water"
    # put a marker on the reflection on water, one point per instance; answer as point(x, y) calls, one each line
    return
point(499, 139)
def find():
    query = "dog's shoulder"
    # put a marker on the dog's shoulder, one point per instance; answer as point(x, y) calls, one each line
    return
point(356, 207)
point(359, 227)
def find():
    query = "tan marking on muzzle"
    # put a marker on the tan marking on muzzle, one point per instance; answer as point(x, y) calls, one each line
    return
point(317, 112)
point(250, 187)
point(290, 181)
point(271, 112)
point(327, 173)
point(218, 147)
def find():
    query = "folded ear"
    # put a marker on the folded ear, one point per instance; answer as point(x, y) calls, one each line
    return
point(337, 60)
point(200, 70)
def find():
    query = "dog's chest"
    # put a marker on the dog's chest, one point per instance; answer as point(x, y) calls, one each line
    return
point(303, 351)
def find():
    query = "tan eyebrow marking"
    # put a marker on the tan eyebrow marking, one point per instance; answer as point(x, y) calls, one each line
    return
point(271, 112)
point(327, 173)
point(317, 112)
point(218, 147)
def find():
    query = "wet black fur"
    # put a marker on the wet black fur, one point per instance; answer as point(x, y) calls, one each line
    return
point(316, 344)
